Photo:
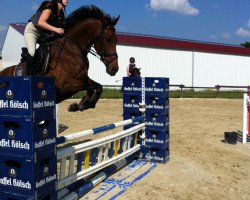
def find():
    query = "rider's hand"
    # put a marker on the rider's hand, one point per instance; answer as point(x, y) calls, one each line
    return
point(59, 31)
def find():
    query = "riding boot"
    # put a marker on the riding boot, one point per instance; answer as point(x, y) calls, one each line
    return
point(30, 65)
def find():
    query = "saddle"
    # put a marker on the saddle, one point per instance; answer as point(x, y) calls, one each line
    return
point(42, 61)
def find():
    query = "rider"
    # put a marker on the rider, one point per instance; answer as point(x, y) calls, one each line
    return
point(131, 66)
point(47, 20)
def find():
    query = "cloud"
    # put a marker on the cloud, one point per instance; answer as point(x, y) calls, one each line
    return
point(248, 23)
point(215, 6)
point(241, 32)
point(34, 6)
point(221, 36)
point(3, 28)
point(179, 6)
point(214, 36)
point(225, 35)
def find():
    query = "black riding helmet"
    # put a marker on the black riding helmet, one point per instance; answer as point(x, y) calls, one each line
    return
point(132, 60)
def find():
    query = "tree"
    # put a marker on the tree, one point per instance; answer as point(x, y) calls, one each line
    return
point(246, 44)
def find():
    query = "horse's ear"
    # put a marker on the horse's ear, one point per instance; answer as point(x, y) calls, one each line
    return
point(114, 22)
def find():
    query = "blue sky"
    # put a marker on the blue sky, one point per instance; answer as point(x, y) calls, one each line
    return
point(219, 21)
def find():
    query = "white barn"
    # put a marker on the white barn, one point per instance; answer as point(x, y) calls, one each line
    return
point(190, 63)
point(13, 43)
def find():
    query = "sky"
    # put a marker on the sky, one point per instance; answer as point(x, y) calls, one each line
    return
point(216, 21)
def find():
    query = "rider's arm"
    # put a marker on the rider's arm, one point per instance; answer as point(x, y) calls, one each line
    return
point(128, 71)
point(42, 22)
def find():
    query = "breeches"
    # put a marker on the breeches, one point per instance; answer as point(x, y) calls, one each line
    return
point(31, 35)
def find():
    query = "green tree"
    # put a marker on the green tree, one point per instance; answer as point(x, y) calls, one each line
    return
point(246, 44)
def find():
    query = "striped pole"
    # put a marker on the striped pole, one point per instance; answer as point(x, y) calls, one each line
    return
point(84, 189)
point(66, 138)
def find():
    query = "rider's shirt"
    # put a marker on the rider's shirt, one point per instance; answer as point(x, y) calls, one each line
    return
point(53, 20)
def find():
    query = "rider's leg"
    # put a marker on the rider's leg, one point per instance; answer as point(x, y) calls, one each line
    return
point(31, 34)
point(30, 65)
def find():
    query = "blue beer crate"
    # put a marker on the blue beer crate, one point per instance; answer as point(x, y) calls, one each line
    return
point(20, 96)
point(132, 85)
point(155, 153)
point(48, 194)
point(131, 113)
point(157, 118)
point(156, 136)
point(156, 85)
point(157, 102)
point(24, 136)
point(28, 176)
point(131, 101)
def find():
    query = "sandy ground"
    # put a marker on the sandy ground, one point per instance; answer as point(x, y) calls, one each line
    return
point(201, 166)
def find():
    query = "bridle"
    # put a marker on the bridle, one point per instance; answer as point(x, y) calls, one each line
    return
point(102, 55)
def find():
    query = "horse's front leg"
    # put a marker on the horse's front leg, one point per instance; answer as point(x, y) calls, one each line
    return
point(94, 91)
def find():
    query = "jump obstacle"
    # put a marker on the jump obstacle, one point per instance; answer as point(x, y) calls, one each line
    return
point(246, 117)
point(33, 165)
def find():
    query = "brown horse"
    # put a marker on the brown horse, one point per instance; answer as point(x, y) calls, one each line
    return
point(85, 27)
point(135, 72)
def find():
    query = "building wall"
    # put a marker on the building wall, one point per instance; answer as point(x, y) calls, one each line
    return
point(182, 67)
point(11, 52)
point(212, 69)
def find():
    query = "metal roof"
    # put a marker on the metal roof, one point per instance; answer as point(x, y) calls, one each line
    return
point(171, 43)
point(168, 43)
point(19, 27)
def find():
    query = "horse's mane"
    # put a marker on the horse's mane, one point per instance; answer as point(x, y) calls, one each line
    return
point(84, 12)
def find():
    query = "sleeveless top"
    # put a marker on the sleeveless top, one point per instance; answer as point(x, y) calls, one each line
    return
point(53, 20)
point(131, 66)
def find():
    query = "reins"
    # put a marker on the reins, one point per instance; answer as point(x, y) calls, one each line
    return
point(83, 49)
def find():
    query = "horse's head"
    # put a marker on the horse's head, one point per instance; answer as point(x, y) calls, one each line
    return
point(136, 72)
point(89, 26)
point(105, 46)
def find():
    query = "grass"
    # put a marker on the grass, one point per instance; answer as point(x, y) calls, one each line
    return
point(206, 94)
point(117, 94)
point(106, 94)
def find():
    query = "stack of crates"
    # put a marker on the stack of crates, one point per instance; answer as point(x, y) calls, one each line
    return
point(154, 92)
point(27, 138)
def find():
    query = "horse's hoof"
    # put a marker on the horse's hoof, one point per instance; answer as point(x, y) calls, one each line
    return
point(73, 107)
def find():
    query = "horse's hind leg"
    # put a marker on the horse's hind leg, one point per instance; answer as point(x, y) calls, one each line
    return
point(94, 91)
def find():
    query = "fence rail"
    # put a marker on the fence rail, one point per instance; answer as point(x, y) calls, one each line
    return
point(182, 86)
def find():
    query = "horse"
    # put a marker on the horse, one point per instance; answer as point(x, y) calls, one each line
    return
point(85, 27)
point(135, 72)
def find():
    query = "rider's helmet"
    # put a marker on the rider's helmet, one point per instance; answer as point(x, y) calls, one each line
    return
point(132, 60)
